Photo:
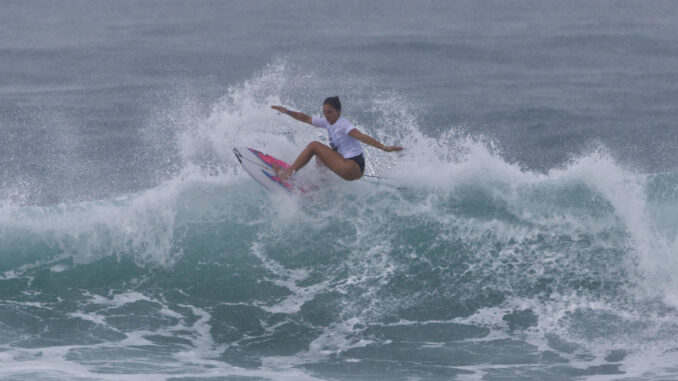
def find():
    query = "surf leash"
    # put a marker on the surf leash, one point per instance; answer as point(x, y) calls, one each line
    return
point(377, 177)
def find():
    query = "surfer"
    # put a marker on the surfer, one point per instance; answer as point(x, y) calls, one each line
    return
point(344, 156)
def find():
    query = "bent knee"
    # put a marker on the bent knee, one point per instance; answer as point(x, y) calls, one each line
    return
point(314, 146)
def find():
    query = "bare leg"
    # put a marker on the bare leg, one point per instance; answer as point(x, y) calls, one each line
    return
point(344, 168)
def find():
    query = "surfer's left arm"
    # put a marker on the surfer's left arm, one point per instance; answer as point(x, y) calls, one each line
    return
point(367, 139)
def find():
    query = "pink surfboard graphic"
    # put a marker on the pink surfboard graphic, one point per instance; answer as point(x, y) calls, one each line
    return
point(260, 167)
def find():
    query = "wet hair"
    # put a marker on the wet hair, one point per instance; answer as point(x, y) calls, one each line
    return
point(334, 102)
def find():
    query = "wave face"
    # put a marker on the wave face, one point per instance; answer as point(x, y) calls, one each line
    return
point(457, 264)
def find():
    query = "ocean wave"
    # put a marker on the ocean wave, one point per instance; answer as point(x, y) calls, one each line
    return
point(453, 250)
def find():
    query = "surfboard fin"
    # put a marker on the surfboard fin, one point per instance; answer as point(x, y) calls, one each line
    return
point(237, 155)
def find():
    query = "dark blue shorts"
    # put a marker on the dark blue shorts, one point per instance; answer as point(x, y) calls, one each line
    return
point(360, 160)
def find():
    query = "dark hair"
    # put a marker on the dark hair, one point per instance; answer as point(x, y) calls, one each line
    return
point(334, 102)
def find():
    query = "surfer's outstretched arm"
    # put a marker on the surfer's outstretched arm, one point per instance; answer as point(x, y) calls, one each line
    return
point(300, 116)
point(367, 139)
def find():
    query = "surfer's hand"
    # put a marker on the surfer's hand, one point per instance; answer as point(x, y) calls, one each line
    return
point(393, 148)
point(280, 109)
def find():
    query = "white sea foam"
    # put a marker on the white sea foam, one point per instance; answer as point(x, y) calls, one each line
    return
point(429, 186)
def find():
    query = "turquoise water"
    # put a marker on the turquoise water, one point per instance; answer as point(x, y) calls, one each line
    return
point(528, 230)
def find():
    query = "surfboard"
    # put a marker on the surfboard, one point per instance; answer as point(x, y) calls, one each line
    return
point(260, 167)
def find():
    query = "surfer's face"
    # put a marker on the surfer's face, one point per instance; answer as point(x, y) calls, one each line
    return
point(330, 114)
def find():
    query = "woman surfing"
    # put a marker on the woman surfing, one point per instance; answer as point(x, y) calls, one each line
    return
point(344, 156)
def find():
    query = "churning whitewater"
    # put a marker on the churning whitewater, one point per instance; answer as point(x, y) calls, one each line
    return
point(528, 231)
point(454, 263)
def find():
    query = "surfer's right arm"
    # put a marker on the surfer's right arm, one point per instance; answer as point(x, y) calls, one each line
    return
point(300, 116)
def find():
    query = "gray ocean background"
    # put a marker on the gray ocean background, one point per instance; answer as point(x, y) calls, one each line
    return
point(527, 232)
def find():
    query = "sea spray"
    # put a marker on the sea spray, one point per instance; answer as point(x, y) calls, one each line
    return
point(460, 263)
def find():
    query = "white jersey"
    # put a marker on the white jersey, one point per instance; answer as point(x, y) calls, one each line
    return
point(340, 140)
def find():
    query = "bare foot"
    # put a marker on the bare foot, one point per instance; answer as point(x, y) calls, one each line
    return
point(282, 173)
